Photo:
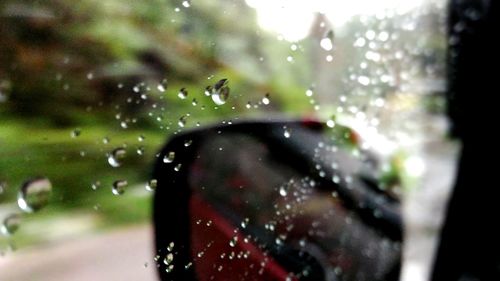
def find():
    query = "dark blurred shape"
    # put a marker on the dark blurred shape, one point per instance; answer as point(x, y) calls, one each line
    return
point(247, 194)
point(470, 245)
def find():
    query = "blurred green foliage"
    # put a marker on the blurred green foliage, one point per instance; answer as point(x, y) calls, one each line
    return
point(97, 66)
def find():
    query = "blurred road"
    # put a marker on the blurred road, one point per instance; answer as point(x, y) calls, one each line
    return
point(117, 255)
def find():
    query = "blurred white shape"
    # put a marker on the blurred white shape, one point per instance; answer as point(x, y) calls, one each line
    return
point(293, 18)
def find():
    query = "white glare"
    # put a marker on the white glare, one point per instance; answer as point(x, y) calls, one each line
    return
point(414, 166)
point(293, 18)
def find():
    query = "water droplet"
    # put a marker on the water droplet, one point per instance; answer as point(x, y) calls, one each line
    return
point(116, 156)
point(327, 41)
point(309, 92)
point(208, 91)
point(265, 99)
point(177, 167)
point(140, 150)
point(105, 140)
point(96, 185)
point(3, 186)
point(169, 258)
point(286, 132)
point(186, 3)
point(194, 102)
point(75, 133)
point(302, 242)
point(183, 93)
point(119, 187)
point(34, 194)
point(162, 86)
point(278, 241)
point(283, 191)
point(170, 246)
point(182, 121)
point(244, 223)
point(363, 80)
point(141, 138)
point(233, 241)
point(151, 185)
point(169, 268)
point(336, 179)
point(220, 92)
point(10, 224)
point(187, 266)
point(330, 123)
point(188, 143)
point(169, 157)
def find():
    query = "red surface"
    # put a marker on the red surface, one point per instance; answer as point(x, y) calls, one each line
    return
point(213, 241)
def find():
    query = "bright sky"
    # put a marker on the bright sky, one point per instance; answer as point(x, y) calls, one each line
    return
point(293, 18)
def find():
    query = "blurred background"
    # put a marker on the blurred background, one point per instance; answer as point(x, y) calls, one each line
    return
point(90, 90)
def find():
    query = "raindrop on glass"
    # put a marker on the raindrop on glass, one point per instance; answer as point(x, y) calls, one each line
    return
point(10, 224)
point(278, 241)
point(330, 123)
point(183, 93)
point(208, 91)
point(162, 86)
point(170, 246)
point(244, 223)
point(169, 158)
point(151, 185)
point(233, 241)
point(283, 191)
point(116, 156)
point(96, 185)
point(169, 258)
point(3, 186)
point(188, 143)
point(182, 121)
point(327, 41)
point(220, 92)
point(119, 187)
point(265, 99)
point(286, 132)
point(177, 167)
point(34, 194)
point(140, 150)
point(75, 133)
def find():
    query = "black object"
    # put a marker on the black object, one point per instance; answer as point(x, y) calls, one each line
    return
point(470, 239)
point(371, 216)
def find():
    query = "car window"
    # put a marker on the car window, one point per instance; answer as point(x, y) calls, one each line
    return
point(92, 91)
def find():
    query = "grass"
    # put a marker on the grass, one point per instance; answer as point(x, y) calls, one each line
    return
point(72, 164)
